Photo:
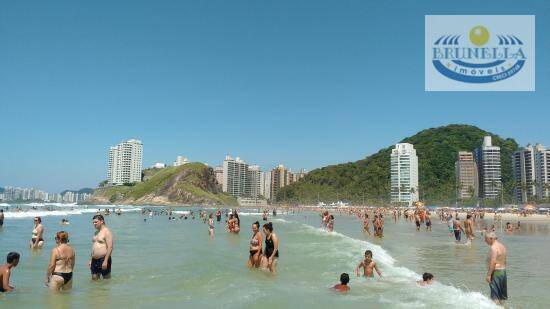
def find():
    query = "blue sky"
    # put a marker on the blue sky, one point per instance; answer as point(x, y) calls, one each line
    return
point(303, 83)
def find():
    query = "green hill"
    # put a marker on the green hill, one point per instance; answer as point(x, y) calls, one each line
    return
point(369, 179)
point(189, 184)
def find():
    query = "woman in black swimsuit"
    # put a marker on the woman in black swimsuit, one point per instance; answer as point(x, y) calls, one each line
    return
point(255, 246)
point(271, 251)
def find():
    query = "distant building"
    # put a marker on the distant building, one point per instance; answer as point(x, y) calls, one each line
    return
point(253, 181)
point(523, 164)
point(542, 171)
point(280, 178)
point(251, 202)
point(180, 161)
point(158, 165)
point(265, 185)
point(218, 172)
point(488, 167)
point(404, 174)
point(466, 176)
point(234, 176)
point(125, 162)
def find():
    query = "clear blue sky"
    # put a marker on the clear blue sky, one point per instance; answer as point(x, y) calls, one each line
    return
point(304, 83)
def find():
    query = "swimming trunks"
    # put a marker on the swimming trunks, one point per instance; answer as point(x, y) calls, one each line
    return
point(457, 235)
point(66, 276)
point(498, 286)
point(95, 268)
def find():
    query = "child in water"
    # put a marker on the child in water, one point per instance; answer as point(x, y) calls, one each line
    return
point(343, 286)
point(368, 266)
point(427, 279)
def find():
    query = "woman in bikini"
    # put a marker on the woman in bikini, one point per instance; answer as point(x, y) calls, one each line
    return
point(36, 240)
point(255, 246)
point(60, 270)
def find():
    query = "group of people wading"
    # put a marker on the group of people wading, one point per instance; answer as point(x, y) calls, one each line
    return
point(59, 272)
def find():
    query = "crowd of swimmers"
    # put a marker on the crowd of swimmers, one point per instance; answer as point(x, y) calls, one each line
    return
point(264, 244)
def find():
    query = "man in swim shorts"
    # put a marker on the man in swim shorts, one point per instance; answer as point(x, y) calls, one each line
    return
point(458, 230)
point(496, 269)
point(102, 248)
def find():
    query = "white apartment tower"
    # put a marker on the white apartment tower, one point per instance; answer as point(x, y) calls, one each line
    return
point(404, 174)
point(125, 162)
point(234, 176)
point(523, 164)
point(218, 172)
point(253, 181)
point(488, 167)
point(265, 185)
point(542, 171)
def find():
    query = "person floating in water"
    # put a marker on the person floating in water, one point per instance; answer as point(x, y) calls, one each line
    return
point(5, 271)
point(427, 279)
point(60, 269)
point(496, 269)
point(102, 248)
point(36, 240)
point(343, 286)
point(368, 266)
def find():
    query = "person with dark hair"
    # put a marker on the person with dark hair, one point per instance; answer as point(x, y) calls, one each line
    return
point(427, 279)
point(60, 269)
point(5, 271)
point(368, 266)
point(102, 248)
point(255, 246)
point(210, 225)
point(468, 227)
point(271, 251)
point(343, 286)
point(36, 240)
point(1, 217)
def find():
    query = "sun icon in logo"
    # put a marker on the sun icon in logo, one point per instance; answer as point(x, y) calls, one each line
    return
point(479, 35)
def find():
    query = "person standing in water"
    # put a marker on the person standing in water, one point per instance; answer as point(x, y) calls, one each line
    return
point(496, 269)
point(428, 220)
point(271, 250)
point(210, 225)
point(5, 271)
point(468, 227)
point(458, 230)
point(368, 266)
point(255, 246)
point(60, 270)
point(36, 240)
point(1, 217)
point(102, 248)
point(366, 224)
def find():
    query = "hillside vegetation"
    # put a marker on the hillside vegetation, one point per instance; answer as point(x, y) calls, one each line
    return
point(369, 179)
point(189, 184)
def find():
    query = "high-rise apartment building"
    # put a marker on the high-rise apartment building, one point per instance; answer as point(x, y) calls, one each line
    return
point(234, 176)
point(279, 179)
point(488, 168)
point(404, 174)
point(523, 164)
point(466, 176)
point(265, 185)
point(218, 173)
point(253, 181)
point(125, 162)
point(542, 171)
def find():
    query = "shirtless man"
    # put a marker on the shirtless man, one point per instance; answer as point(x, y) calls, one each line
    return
point(468, 226)
point(496, 269)
point(1, 217)
point(458, 230)
point(368, 265)
point(366, 224)
point(102, 248)
point(5, 271)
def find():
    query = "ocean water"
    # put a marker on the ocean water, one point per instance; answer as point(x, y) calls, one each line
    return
point(169, 264)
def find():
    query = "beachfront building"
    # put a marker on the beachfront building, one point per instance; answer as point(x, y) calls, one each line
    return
point(265, 185)
point(542, 171)
point(523, 165)
point(488, 169)
point(280, 178)
point(404, 174)
point(158, 165)
point(234, 176)
point(180, 160)
point(125, 162)
point(466, 176)
point(218, 173)
point(253, 181)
